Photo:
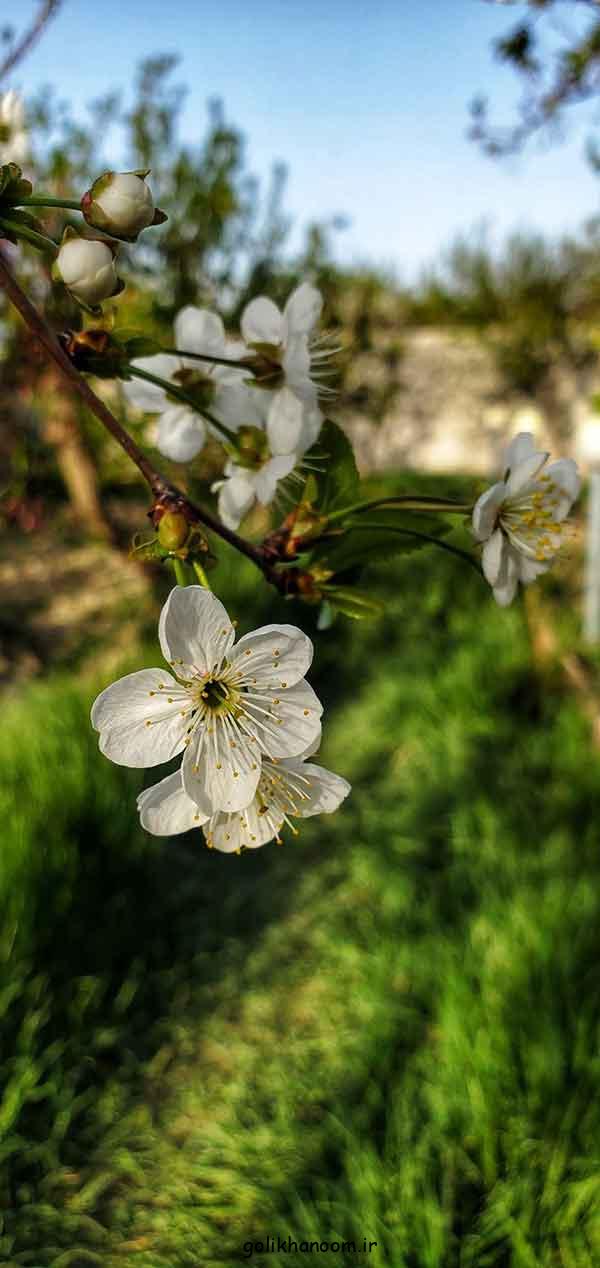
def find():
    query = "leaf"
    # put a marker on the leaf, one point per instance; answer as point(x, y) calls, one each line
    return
point(135, 344)
point(334, 482)
point(353, 603)
point(364, 544)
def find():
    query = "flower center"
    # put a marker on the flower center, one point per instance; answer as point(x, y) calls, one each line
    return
point(217, 696)
point(251, 449)
point(201, 387)
point(266, 365)
point(529, 519)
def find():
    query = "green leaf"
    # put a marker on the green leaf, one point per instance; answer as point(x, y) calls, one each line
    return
point(335, 481)
point(135, 344)
point(353, 603)
point(363, 544)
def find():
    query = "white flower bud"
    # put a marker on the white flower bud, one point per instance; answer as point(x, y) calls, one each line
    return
point(87, 268)
point(121, 203)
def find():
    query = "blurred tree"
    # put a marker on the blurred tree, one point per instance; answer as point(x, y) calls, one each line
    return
point(558, 63)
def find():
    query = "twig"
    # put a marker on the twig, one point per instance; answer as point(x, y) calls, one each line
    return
point(48, 10)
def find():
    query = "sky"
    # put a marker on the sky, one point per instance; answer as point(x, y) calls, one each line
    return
point(365, 100)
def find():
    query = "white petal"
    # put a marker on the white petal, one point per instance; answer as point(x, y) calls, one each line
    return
point(199, 330)
point(239, 406)
point(505, 589)
point(491, 559)
point(180, 434)
point(262, 322)
point(485, 511)
point(148, 396)
point(269, 475)
point(530, 569)
point(290, 726)
point(248, 829)
point(323, 791)
point(273, 654)
point(220, 768)
point(302, 310)
point(565, 475)
point(194, 630)
point(285, 422)
point(521, 447)
point(296, 366)
point(139, 718)
point(165, 809)
point(525, 471)
point(235, 499)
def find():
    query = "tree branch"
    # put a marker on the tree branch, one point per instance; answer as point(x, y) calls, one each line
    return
point(48, 10)
point(164, 492)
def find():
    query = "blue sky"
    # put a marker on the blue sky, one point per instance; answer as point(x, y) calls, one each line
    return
point(365, 101)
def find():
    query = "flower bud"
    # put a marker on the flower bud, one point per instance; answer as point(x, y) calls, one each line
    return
point(173, 530)
point(121, 203)
point(87, 268)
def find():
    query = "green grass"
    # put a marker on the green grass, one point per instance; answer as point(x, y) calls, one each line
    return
point(387, 1029)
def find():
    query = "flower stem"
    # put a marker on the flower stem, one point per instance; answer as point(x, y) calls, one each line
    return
point(44, 200)
point(178, 394)
point(181, 572)
point(161, 488)
point(201, 575)
point(36, 239)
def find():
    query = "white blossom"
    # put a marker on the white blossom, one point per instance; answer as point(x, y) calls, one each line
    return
point(287, 790)
point(284, 345)
point(220, 389)
point(520, 519)
point(14, 139)
point(87, 268)
point(119, 203)
point(225, 707)
point(271, 453)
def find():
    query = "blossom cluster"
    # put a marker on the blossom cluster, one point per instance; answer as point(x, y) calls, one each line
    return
point(242, 715)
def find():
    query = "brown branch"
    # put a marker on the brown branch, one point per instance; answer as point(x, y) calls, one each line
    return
point(164, 492)
point(48, 10)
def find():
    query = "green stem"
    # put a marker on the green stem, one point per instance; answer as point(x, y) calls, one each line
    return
point(201, 575)
point(181, 572)
point(407, 502)
point(202, 356)
point(178, 394)
point(44, 200)
point(426, 537)
point(36, 239)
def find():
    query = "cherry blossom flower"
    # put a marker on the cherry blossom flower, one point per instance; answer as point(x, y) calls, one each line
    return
point(287, 790)
point(121, 203)
point(267, 455)
point(284, 345)
point(87, 268)
point(520, 519)
point(222, 390)
point(14, 140)
point(225, 707)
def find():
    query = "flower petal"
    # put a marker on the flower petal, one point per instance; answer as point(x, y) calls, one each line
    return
point(302, 310)
point(248, 829)
point(237, 405)
point(194, 630)
point(165, 809)
point(267, 479)
point(236, 496)
point(289, 725)
point(525, 471)
point(262, 322)
point(285, 422)
point(221, 768)
point(491, 558)
point(506, 587)
point(149, 396)
point(530, 569)
point(565, 475)
point(322, 791)
point(139, 718)
point(199, 330)
point(296, 366)
point(485, 511)
point(180, 434)
point(522, 446)
point(274, 656)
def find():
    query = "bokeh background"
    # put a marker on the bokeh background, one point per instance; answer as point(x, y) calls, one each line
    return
point(389, 1028)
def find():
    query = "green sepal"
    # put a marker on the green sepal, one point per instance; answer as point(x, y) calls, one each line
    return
point(135, 345)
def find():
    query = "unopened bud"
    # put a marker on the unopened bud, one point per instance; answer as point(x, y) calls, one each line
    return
point(173, 530)
point(87, 268)
point(121, 203)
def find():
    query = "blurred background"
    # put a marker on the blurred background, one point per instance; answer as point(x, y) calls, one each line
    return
point(388, 1030)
